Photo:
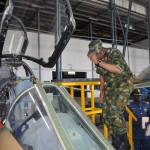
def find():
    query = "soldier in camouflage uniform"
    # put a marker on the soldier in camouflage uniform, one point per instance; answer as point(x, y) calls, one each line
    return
point(116, 86)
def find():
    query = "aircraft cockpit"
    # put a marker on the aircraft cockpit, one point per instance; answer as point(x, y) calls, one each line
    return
point(46, 116)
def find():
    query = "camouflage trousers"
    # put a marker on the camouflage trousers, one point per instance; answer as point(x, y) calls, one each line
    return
point(114, 105)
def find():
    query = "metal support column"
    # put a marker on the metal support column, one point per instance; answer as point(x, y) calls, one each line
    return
point(148, 25)
point(115, 26)
point(112, 2)
point(127, 28)
point(57, 37)
point(90, 28)
point(38, 28)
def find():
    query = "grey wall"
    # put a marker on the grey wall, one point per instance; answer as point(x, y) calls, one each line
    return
point(75, 55)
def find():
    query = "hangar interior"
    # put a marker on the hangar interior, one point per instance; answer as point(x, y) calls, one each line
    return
point(95, 19)
point(49, 32)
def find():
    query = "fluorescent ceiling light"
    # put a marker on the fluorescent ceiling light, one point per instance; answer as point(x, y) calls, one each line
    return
point(130, 26)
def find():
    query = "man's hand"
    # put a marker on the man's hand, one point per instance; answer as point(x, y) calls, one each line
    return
point(93, 58)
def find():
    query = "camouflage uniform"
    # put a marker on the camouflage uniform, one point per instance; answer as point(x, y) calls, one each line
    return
point(117, 89)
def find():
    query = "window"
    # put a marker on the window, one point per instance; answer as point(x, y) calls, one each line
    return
point(30, 124)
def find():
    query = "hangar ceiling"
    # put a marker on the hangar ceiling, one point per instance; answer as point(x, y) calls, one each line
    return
point(99, 13)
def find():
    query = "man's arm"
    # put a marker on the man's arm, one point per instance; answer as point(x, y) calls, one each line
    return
point(109, 67)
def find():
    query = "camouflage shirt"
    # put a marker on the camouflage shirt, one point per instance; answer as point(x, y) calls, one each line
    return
point(113, 80)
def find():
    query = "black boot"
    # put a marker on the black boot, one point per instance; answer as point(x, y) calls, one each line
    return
point(113, 140)
point(120, 142)
point(125, 145)
point(116, 141)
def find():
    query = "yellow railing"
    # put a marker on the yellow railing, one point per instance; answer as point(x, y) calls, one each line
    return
point(130, 116)
point(90, 110)
point(93, 110)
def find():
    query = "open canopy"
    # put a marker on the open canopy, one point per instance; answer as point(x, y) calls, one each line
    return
point(21, 30)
